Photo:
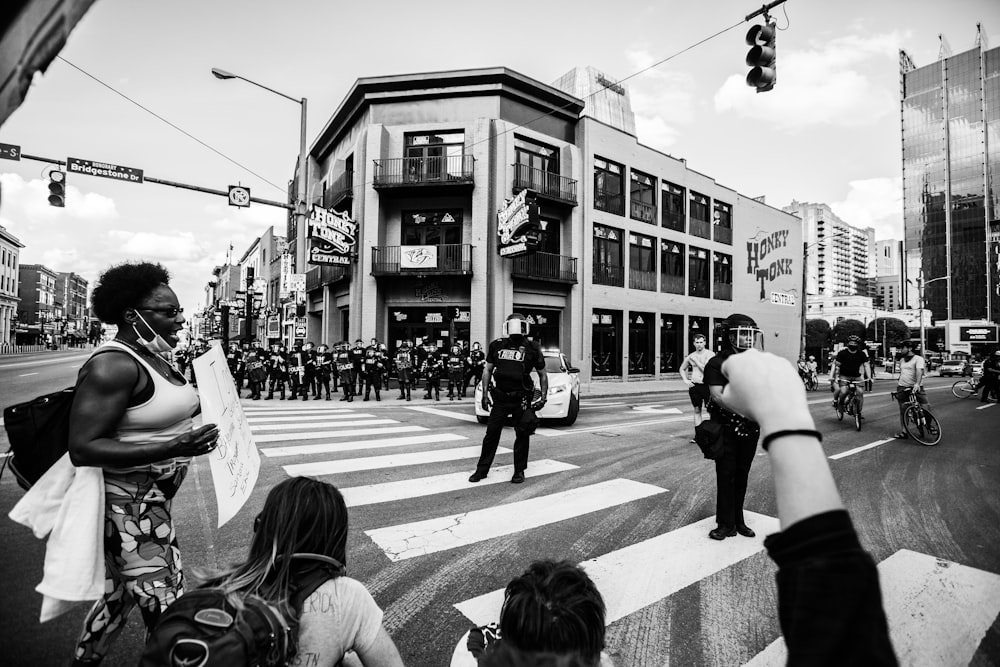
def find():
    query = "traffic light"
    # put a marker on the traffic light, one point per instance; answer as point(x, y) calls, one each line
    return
point(57, 188)
point(762, 57)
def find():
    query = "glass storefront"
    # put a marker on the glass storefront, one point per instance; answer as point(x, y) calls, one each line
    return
point(671, 343)
point(428, 324)
point(640, 343)
point(699, 325)
point(544, 326)
point(605, 341)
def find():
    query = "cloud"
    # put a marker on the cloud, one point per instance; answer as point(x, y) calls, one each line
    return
point(180, 246)
point(828, 85)
point(28, 202)
point(874, 202)
point(661, 99)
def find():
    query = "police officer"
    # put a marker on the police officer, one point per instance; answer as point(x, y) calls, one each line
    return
point(256, 364)
point(373, 373)
point(345, 368)
point(277, 372)
point(358, 356)
point(476, 361)
point(405, 362)
point(507, 382)
point(431, 371)
point(310, 385)
point(234, 359)
point(323, 370)
point(297, 373)
point(456, 373)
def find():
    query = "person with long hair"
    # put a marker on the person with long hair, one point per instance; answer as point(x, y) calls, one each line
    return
point(307, 516)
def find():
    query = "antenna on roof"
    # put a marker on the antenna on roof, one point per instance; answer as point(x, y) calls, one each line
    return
point(945, 50)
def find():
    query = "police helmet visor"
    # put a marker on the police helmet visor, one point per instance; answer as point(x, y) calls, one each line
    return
point(745, 337)
point(516, 327)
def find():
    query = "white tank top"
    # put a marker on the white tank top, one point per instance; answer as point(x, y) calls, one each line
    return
point(164, 416)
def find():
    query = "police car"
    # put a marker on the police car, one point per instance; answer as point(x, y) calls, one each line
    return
point(563, 402)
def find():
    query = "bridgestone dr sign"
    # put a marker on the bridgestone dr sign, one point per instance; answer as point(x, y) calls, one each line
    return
point(103, 170)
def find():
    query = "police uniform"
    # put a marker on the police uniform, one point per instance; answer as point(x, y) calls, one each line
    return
point(277, 375)
point(373, 373)
point(345, 368)
point(431, 371)
point(512, 394)
point(405, 361)
point(456, 373)
point(324, 369)
point(476, 361)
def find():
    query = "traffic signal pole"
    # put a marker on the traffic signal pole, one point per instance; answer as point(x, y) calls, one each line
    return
point(764, 10)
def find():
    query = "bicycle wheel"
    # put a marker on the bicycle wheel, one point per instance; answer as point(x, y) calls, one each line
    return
point(856, 411)
point(962, 389)
point(922, 425)
point(840, 412)
point(811, 384)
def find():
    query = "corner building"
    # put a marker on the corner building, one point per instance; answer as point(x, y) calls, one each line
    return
point(636, 252)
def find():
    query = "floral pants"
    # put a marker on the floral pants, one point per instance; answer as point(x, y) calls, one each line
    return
point(141, 560)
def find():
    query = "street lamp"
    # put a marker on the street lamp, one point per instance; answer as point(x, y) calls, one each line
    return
point(300, 205)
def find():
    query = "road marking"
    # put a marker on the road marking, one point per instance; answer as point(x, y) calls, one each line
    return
point(6, 454)
point(599, 406)
point(428, 486)
point(285, 427)
point(319, 435)
point(464, 416)
point(988, 405)
point(862, 448)
point(389, 461)
point(606, 427)
point(636, 576)
point(284, 416)
point(24, 375)
point(419, 538)
point(657, 408)
point(353, 445)
point(938, 611)
point(285, 407)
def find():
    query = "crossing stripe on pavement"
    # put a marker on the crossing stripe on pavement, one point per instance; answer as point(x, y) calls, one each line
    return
point(283, 416)
point(427, 486)
point(347, 432)
point(326, 424)
point(988, 405)
point(419, 538)
point(862, 448)
point(938, 611)
point(353, 445)
point(286, 408)
point(636, 576)
point(388, 461)
point(464, 416)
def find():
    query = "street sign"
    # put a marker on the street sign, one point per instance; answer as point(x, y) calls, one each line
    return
point(103, 170)
point(10, 152)
point(239, 196)
point(300, 332)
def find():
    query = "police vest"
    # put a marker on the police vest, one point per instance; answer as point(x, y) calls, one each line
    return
point(404, 360)
point(513, 366)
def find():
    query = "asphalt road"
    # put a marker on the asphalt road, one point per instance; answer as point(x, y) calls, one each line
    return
point(622, 491)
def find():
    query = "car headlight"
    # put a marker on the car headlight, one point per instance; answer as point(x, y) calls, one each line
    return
point(557, 389)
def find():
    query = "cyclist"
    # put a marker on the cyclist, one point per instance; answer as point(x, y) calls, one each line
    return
point(850, 365)
point(911, 377)
point(803, 367)
point(813, 367)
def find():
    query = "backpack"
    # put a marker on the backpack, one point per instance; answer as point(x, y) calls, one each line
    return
point(202, 629)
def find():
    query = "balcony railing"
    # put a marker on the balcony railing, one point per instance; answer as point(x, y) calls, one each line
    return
point(320, 276)
point(612, 202)
point(643, 211)
point(408, 171)
point(702, 228)
point(544, 183)
point(723, 234)
point(722, 291)
point(341, 188)
point(451, 259)
point(638, 279)
point(671, 284)
point(606, 274)
point(545, 266)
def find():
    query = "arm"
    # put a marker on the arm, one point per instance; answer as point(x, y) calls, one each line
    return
point(543, 383)
point(382, 652)
point(683, 370)
point(103, 392)
point(834, 371)
point(487, 376)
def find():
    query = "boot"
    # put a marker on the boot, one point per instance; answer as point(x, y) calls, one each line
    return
point(344, 398)
point(367, 395)
point(269, 396)
point(378, 396)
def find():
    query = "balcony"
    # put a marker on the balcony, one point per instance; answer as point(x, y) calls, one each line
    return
point(544, 184)
point(412, 174)
point(606, 274)
point(545, 266)
point(642, 211)
point(701, 228)
point(611, 202)
point(453, 259)
point(638, 279)
point(321, 276)
point(722, 291)
point(342, 188)
point(723, 234)
point(671, 284)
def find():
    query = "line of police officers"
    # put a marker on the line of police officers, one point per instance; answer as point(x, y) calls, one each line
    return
point(311, 371)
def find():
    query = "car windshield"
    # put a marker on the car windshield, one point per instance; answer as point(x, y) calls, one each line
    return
point(554, 365)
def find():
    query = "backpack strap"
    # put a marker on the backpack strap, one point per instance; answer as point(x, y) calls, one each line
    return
point(311, 575)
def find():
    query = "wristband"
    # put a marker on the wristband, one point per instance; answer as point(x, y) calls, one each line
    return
point(798, 431)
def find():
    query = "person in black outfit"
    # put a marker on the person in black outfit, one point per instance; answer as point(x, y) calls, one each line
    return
point(406, 360)
point(256, 363)
point(324, 371)
point(456, 373)
point(739, 434)
point(431, 371)
point(358, 355)
point(475, 360)
point(345, 367)
point(509, 363)
point(234, 359)
point(277, 372)
point(310, 384)
point(373, 373)
point(850, 365)
point(991, 377)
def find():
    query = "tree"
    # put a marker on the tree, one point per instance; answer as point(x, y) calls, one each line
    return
point(817, 333)
point(895, 331)
point(844, 329)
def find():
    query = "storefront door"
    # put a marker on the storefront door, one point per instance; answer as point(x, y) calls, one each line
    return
point(605, 343)
point(671, 342)
point(640, 343)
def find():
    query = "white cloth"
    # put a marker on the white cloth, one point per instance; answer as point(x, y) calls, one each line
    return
point(67, 505)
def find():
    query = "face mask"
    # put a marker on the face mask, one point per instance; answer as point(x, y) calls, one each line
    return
point(158, 345)
point(852, 348)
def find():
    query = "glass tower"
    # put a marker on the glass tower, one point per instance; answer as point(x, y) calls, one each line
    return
point(951, 161)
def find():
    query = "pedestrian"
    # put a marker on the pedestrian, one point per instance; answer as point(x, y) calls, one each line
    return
point(911, 380)
point(304, 516)
point(324, 370)
point(991, 377)
point(456, 373)
point(405, 362)
point(695, 364)
point(738, 333)
point(346, 368)
point(508, 385)
point(131, 417)
point(431, 371)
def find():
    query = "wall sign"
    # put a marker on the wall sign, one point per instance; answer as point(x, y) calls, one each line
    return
point(762, 248)
point(517, 225)
point(333, 237)
point(418, 257)
point(982, 334)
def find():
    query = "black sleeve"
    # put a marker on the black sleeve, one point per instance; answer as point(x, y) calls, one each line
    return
point(713, 372)
point(829, 600)
point(491, 353)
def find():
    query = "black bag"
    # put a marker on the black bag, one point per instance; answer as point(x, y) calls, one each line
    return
point(38, 431)
point(201, 628)
point(708, 436)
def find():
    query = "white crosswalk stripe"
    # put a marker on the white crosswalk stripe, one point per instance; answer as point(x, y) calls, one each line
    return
point(345, 433)
point(258, 418)
point(355, 445)
point(423, 537)
point(390, 461)
point(324, 424)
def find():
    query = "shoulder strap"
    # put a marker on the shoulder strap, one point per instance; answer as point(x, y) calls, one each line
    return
point(312, 576)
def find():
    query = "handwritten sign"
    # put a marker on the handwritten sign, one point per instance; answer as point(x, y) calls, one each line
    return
point(236, 461)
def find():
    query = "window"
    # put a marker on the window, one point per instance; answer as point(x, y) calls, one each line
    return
point(608, 269)
point(642, 200)
point(698, 272)
point(608, 186)
point(548, 236)
point(431, 227)
point(722, 276)
point(641, 262)
point(672, 206)
point(722, 219)
point(434, 155)
point(536, 167)
point(672, 267)
point(699, 216)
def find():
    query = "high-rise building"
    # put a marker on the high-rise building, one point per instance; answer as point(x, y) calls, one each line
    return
point(950, 113)
point(839, 256)
point(888, 274)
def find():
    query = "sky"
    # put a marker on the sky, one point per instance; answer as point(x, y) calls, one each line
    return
point(828, 132)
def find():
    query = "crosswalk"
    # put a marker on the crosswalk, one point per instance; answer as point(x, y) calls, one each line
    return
point(938, 611)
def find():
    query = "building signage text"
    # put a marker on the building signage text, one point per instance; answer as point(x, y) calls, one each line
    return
point(333, 235)
point(782, 299)
point(980, 334)
point(517, 224)
point(104, 170)
point(759, 250)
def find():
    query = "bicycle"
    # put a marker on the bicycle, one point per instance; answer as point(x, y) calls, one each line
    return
point(919, 422)
point(965, 388)
point(810, 381)
point(851, 405)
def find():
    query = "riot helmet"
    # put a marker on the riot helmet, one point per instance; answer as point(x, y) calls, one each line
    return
point(739, 332)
